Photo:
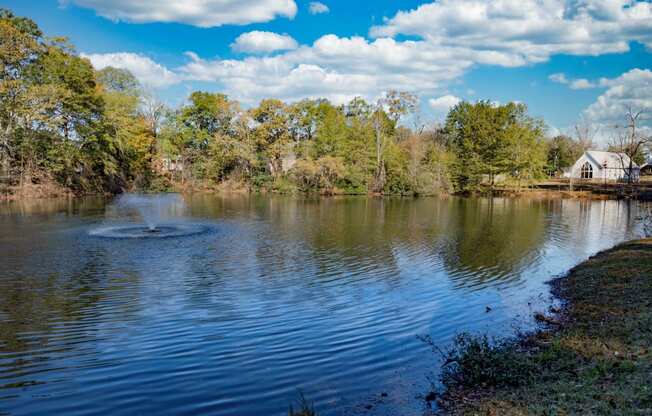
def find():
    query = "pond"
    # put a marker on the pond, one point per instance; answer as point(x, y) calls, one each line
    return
point(268, 296)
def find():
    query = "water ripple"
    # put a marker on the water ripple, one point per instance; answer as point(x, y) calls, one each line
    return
point(276, 295)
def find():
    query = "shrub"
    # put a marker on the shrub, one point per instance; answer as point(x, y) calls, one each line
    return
point(475, 361)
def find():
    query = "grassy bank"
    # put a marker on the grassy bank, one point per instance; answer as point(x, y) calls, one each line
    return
point(593, 357)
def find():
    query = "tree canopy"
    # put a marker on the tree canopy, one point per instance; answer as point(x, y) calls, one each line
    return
point(101, 131)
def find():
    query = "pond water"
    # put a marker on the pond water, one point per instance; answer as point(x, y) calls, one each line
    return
point(273, 295)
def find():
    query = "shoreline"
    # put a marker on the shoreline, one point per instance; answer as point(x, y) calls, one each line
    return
point(592, 355)
point(527, 193)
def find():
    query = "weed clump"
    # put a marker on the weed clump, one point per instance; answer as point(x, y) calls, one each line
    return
point(304, 407)
point(477, 361)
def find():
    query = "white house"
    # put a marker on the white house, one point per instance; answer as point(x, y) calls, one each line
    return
point(607, 166)
point(169, 164)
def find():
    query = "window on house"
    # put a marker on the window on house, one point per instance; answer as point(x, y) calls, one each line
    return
point(587, 171)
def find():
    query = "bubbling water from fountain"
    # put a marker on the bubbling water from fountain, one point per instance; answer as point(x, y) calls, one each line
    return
point(153, 213)
point(152, 209)
point(143, 232)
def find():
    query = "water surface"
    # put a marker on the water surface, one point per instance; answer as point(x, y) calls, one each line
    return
point(279, 294)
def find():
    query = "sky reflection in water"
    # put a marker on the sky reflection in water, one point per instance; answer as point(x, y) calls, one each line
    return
point(325, 295)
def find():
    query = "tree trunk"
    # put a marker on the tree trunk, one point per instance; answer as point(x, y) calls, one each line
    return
point(380, 179)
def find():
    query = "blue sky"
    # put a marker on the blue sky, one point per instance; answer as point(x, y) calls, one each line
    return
point(565, 59)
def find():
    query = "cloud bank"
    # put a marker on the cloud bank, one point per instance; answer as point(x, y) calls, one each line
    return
point(445, 39)
point(202, 13)
point(263, 42)
point(518, 32)
point(633, 89)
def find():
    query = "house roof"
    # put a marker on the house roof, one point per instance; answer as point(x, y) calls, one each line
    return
point(612, 160)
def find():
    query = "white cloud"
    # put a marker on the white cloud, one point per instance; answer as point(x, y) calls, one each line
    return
point(553, 131)
point(517, 32)
point(444, 103)
point(148, 72)
point(574, 84)
point(316, 7)
point(581, 84)
point(633, 89)
point(559, 78)
point(333, 67)
point(202, 13)
point(263, 42)
point(452, 37)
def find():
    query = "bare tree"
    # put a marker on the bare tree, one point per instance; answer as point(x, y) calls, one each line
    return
point(628, 141)
point(585, 132)
point(152, 110)
point(399, 103)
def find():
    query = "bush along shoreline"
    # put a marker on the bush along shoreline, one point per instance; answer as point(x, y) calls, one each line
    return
point(592, 356)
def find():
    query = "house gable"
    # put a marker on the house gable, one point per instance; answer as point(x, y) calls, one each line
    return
point(577, 167)
point(605, 165)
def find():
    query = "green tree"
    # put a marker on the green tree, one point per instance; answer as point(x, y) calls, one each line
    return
point(562, 153)
point(332, 132)
point(304, 117)
point(526, 151)
point(191, 133)
point(427, 161)
point(231, 158)
point(133, 137)
point(20, 46)
point(490, 140)
point(118, 80)
point(209, 113)
point(272, 133)
point(319, 175)
point(53, 113)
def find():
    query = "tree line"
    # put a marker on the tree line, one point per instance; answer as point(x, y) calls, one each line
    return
point(66, 125)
